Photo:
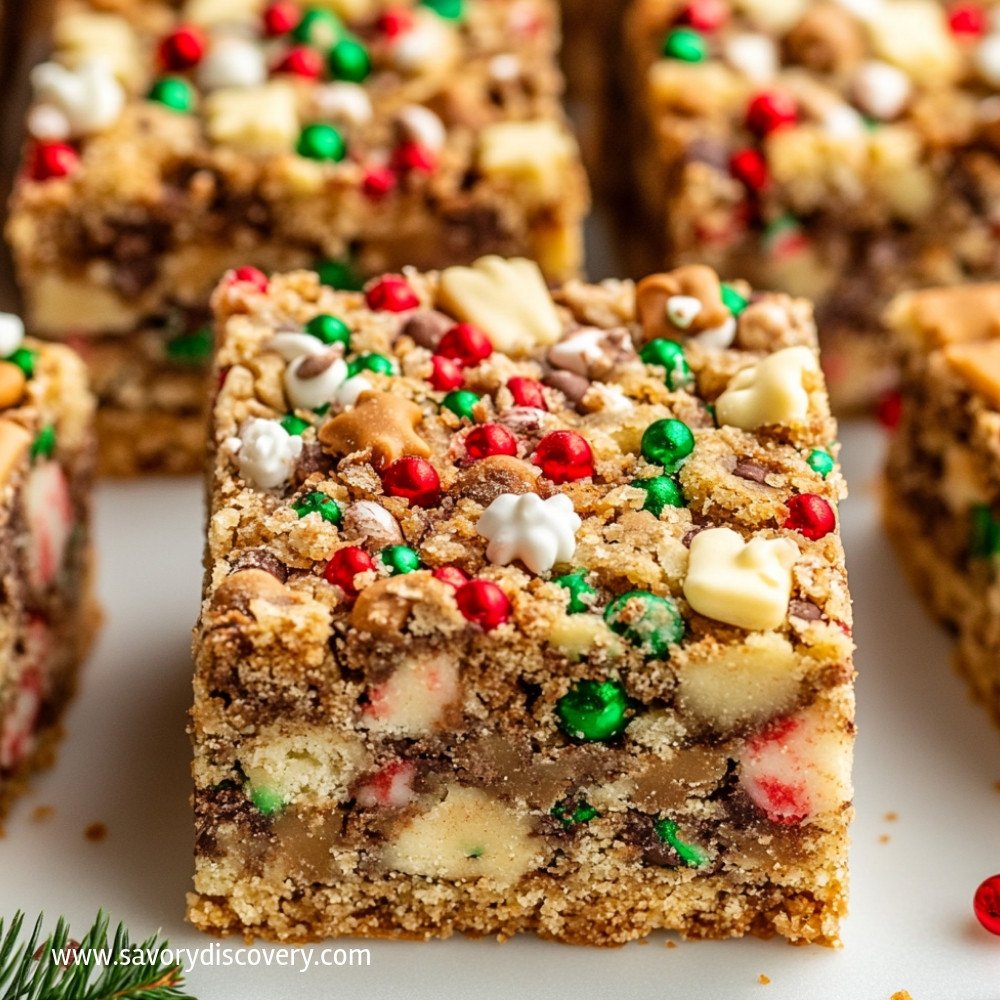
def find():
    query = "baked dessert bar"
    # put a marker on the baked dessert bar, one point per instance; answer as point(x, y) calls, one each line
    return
point(48, 615)
point(942, 483)
point(174, 140)
point(845, 151)
point(522, 611)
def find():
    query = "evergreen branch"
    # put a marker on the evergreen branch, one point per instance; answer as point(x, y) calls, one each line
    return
point(101, 970)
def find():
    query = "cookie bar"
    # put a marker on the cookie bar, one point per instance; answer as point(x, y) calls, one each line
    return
point(174, 140)
point(48, 615)
point(523, 611)
point(842, 151)
point(942, 484)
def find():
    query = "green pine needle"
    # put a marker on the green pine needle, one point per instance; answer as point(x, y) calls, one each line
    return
point(23, 976)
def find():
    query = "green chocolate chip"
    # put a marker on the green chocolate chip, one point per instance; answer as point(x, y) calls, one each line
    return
point(267, 800)
point(571, 813)
point(651, 623)
point(581, 593)
point(667, 443)
point(984, 534)
point(24, 358)
point(661, 491)
point(733, 301)
point(693, 857)
point(593, 710)
point(294, 425)
point(820, 461)
point(319, 503)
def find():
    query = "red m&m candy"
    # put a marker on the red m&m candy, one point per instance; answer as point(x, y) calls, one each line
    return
point(445, 374)
point(414, 479)
point(770, 111)
point(465, 344)
point(182, 49)
point(483, 602)
point(391, 293)
point(986, 904)
point(564, 457)
point(489, 439)
point(527, 392)
point(450, 575)
point(344, 565)
point(810, 515)
point(51, 160)
point(250, 276)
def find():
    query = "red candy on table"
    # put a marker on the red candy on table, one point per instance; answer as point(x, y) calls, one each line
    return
point(302, 61)
point(182, 49)
point(465, 344)
point(250, 276)
point(451, 575)
point(489, 439)
point(986, 904)
point(391, 293)
point(527, 392)
point(414, 479)
point(771, 110)
point(749, 167)
point(810, 515)
point(445, 374)
point(280, 18)
point(483, 602)
point(344, 565)
point(51, 160)
point(564, 457)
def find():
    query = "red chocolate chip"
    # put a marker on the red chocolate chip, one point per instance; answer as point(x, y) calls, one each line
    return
point(527, 392)
point(810, 515)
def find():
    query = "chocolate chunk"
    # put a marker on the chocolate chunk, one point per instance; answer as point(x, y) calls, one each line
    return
point(574, 387)
point(690, 533)
point(314, 365)
point(753, 471)
point(261, 559)
point(711, 151)
point(805, 610)
point(490, 477)
point(426, 327)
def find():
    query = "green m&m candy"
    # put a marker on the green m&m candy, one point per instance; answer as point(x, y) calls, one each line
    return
point(450, 10)
point(581, 593)
point(294, 425)
point(461, 402)
point(984, 534)
point(321, 142)
point(691, 856)
point(268, 800)
point(44, 445)
point(319, 503)
point(649, 622)
point(24, 358)
point(685, 45)
point(732, 299)
point(338, 274)
point(319, 28)
point(400, 559)
point(571, 813)
point(174, 93)
point(661, 491)
point(820, 461)
point(191, 348)
point(329, 330)
point(668, 354)
point(667, 443)
point(593, 710)
point(377, 363)
point(349, 60)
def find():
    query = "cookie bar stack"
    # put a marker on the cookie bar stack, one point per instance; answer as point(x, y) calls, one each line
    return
point(841, 151)
point(172, 141)
point(47, 615)
point(523, 611)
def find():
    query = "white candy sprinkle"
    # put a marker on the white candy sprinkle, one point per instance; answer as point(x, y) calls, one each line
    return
point(89, 97)
point(232, 62)
point(311, 393)
point(265, 453)
point(419, 124)
point(754, 55)
point(539, 532)
point(347, 103)
point(11, 334)
point(881, 90)
point(683, 310)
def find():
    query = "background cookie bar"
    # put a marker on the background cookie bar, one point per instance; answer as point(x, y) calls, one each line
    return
point(522, 611)
point(942, 484)
point(47, 616)
point(842, 151)
point(175, 140)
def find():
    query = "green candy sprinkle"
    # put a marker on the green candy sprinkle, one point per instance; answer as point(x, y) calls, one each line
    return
point(294, 425)
point(685, 45)
point(319, 503)
point(667, 443)
point(321, 142)
point(820, 461)
point(461, 402)
point(476, 852)
point(349, 60)
point(450, 10)
point(174, 93)
point(669, 354)
point(191, 348)
point(661, 491)
point(984, 534)
point(338, 274)
point(24, 358)
point(732, 300)
point(44, 445)
point(377, 363)
point(571, 813)
point(267, 800)
point(693, 857)
point(400, 559)
point(593, 710)
point(329, 330)
point(581, 593)
point(649, 622)
point(318, 28)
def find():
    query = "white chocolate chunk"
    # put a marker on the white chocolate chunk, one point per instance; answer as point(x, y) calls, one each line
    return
point(89, 97)
point(391, 787)
point(776, 16)
point(58, 304)
point(80, 36)
point(507, 299)
point(256, 119)
point(539, 532)
point(11, 333)
point(534, 156)
point(754, 55)
point(49, 510)
point(581, 635)
point(312, 392)
point(419, 124)
point(881, 90)
point(914, 35)
point(210, 13)
point(265, 453)
point(987, 59)
point(232, 61)
point(963, 484)
point(772, 391)
point(342, 102)
point(429, 46)
point(349, 390)
point(717, 338)
point(467, 836)
point(746, 584)
point(414, 699)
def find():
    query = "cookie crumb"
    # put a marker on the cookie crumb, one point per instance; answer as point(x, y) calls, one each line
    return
point(891, 817)
point(763, 980)
point(42, 813)
point(996, 786)
point(884, 839)
point(96, 832)
point(901, 995)
point(671, 944)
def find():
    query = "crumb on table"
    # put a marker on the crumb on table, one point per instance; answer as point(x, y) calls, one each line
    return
point(96, 832)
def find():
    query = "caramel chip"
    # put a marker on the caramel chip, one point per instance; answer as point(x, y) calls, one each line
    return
point(12, 385)
point(381, 422)
point(14, 442)
point(246, 585)
point(695, 281)
point(978, 363)
point(949, 315)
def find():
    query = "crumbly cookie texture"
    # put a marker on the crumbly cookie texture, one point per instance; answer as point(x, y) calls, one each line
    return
point(841, 151)
point(496, 641)
point(48, 615)
point(942, 483)
point(170, 142)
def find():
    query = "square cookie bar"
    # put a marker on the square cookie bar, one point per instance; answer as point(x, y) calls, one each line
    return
point(942, 483)
point(523, 611)
point(173, 140)
point(48, 615)
point(845, 151)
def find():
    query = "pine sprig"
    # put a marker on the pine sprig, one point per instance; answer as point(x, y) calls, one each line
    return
point(30, 970)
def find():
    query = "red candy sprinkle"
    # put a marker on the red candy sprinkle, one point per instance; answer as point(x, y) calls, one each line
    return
point(489, 439)
point(378, 182)
point(465, 344)
point(749, 167)
point(564, 457)
point(344, 565)
point(250, 276)
point(50, 160)
point(301, 61)
point(770, 111)
point(483, 602)
point(527, 392)
point(986, 904)
point(280, 18)
point(705, 15)
point(889, 409)
point(182, 49)
point(409, 157)
point(391, 293)
point(967, 19)
point(414, 479)
point(395, 22)
point(445, 374)
point(451, 575)
point(810, 515)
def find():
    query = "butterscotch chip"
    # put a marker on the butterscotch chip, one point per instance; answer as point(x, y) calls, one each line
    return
point(381, 423)
point(12, 384)
point(949, 315)
point(979, 364)
point(14, 442)
point(246, 585)
point(695, 281)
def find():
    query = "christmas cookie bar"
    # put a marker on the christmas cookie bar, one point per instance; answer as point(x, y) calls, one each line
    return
point(845, 151)
point(523, 611)
point(942, 483)
point(171, 140)
point(47, 617)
